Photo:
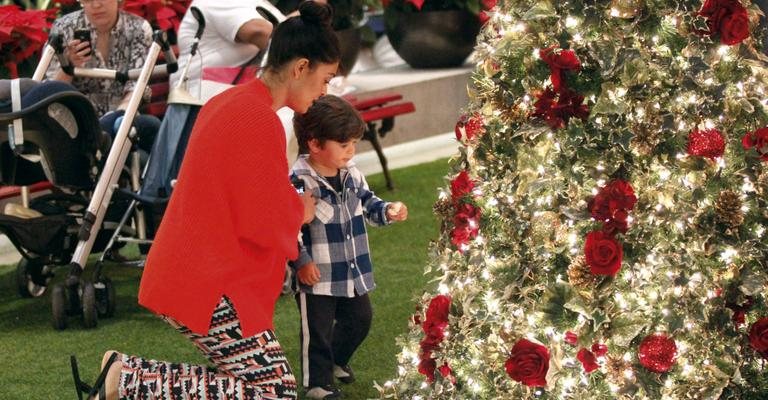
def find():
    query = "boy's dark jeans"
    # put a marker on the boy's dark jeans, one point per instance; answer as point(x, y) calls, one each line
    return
point(324, 343)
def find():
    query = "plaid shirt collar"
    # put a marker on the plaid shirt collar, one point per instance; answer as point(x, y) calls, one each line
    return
point(302, 167)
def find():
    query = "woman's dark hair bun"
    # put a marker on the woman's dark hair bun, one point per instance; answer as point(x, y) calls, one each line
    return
point(314, 13)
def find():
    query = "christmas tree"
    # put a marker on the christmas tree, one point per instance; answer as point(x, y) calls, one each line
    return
point(604, 224)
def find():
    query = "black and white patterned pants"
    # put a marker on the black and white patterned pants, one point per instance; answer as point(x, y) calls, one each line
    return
point(246, 368)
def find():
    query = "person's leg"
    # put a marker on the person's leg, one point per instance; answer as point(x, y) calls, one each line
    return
point(252, 367)
point(147, 127)
point(107, 122)
point(258, 360)
point(317, 314)
point(353, 321)
point(113, 376)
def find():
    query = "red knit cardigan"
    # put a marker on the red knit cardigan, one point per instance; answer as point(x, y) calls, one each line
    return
point(232, 221)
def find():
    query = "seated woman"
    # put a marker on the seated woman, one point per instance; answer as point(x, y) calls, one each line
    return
point(114, 40)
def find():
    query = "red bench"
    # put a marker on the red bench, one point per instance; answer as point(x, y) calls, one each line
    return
point(381, 109)
point(10, 192)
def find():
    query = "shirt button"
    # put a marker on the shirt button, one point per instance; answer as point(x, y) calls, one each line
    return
point(352, 265)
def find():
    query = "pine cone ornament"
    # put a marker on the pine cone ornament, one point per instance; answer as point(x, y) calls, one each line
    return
point(580, 275)
point(645, 139)
point(443, 208)
point(762, 183)
point(728, 209)
point(615, 368)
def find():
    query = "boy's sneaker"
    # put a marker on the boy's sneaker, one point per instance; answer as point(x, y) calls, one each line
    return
point(343, 374)
point(323, 392)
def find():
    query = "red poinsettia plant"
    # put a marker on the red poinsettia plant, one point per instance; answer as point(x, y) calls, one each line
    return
point(22, 35)
point(165, 15)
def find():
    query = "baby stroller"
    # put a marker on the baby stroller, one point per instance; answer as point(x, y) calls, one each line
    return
point(54, 135)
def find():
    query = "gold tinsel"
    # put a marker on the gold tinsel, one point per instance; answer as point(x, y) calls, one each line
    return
point(728, 209)
point(579, 274)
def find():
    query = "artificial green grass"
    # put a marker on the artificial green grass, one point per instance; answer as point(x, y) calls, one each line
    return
point(35, 358)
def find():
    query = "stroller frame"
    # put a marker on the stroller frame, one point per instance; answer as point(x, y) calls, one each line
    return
point(80, 293)
point(97, 297)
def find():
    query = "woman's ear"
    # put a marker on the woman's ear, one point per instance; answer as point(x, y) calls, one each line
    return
point(299, 67)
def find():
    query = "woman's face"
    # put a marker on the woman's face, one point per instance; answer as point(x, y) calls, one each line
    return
point(310, 84)
point(102, 14)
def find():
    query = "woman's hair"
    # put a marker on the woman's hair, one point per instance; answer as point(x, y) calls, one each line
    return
point(329, 118)
point(308, 35)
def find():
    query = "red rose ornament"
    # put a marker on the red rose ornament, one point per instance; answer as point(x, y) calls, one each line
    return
point(603, 253)
point(528, 363)
point(758, 336)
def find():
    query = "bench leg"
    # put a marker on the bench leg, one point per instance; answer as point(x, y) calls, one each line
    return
point(370, 135)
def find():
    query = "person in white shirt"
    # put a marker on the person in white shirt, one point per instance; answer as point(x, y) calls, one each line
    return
point(234, 34)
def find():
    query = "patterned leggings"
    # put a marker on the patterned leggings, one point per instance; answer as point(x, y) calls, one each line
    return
point(246, 368)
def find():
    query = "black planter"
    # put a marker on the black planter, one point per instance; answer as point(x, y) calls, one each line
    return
point(432, 39)
point(349, 43)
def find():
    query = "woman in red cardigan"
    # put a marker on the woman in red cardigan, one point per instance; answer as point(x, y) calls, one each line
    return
point(216, 266)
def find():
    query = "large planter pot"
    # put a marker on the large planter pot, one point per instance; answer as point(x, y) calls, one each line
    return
point(349, 44)
point(432, 39)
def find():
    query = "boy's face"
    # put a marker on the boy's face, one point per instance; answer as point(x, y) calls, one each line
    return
point(331, 155)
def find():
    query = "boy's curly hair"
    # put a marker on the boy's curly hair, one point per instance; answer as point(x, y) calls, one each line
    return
point(329, 118)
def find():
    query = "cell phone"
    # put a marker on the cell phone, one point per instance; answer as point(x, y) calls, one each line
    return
point(83, 35)
point(298, 183)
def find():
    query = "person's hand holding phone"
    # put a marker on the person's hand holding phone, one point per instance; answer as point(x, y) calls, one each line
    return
point(79, 48)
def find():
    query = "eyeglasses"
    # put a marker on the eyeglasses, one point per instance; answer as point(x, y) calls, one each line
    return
point(89, 3)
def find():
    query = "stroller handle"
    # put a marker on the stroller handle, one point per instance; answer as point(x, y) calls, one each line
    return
point(56, 41)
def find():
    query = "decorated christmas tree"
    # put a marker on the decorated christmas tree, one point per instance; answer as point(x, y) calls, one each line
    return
point(604, 224)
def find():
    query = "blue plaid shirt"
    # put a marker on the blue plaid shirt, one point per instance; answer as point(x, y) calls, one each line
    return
point(336, 240)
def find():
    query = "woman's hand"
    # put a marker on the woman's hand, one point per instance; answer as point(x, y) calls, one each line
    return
point(308, 274)
point(78, 52)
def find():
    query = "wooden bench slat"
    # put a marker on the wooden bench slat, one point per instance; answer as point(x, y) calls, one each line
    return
point(387, 111)
point(364, 104)
point(13, 191)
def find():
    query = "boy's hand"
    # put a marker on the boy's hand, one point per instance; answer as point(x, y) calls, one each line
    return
point(309, 207)
point(308, 274)
point(397, 211)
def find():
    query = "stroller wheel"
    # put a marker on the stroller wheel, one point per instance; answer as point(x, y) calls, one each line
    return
point(89, 305)
point(59, 307)
point(105, 297)
point(31, 279)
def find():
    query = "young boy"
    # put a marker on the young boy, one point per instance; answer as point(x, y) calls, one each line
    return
point(334, 270)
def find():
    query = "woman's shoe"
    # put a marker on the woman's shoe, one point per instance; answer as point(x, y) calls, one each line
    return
point(98, 386)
